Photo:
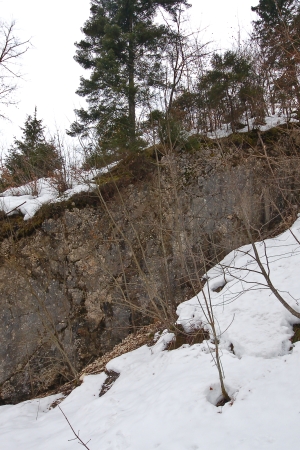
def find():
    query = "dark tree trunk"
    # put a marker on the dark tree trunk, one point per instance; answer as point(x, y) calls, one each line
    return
point(295, 82)
point(131, 85)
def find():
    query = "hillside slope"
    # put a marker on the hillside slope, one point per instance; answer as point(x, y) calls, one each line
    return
point(166, 399)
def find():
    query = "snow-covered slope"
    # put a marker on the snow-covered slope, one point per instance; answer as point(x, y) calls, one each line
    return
point(249, 315)
point(29, 198)
point(166, 399)
point(270, 122)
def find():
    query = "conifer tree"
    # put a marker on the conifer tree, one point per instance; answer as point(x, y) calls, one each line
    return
point(122, 50)
point(226, 90)
point(270, 12)
point(32, 156)
point(278, 33)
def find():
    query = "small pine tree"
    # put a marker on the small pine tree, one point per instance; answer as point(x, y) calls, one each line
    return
point(32, 156)
point(229, 90)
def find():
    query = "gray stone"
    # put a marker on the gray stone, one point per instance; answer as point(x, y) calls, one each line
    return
point(81, 283)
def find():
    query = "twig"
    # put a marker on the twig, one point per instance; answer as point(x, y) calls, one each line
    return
point(9, 212)
point(74, 432)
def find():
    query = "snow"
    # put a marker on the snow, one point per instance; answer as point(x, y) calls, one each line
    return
point(29, 198)
point(270, 122)
point(246, 298)
point(166, 399)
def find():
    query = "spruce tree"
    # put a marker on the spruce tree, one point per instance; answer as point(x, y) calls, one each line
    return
point(32, 156)
point(122, 50)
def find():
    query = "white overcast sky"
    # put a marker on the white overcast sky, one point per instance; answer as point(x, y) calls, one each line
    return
point(50, 76)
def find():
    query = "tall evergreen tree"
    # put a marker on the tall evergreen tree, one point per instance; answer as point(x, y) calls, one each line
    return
point(278, 33)
point(272, 12)
point(122, 51)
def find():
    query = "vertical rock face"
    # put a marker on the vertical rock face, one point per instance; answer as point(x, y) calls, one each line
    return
point(83, 281)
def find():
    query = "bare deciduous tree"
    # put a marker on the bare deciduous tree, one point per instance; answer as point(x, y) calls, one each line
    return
point(11, 49)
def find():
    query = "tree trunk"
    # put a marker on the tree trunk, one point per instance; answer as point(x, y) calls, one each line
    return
point(295, 81)
point(131, 86)
point(231, 113)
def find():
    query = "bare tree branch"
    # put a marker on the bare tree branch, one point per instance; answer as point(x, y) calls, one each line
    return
point(77, 437)
point(11, 49)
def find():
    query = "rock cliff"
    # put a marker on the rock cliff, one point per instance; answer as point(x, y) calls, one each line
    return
point(85, 279)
